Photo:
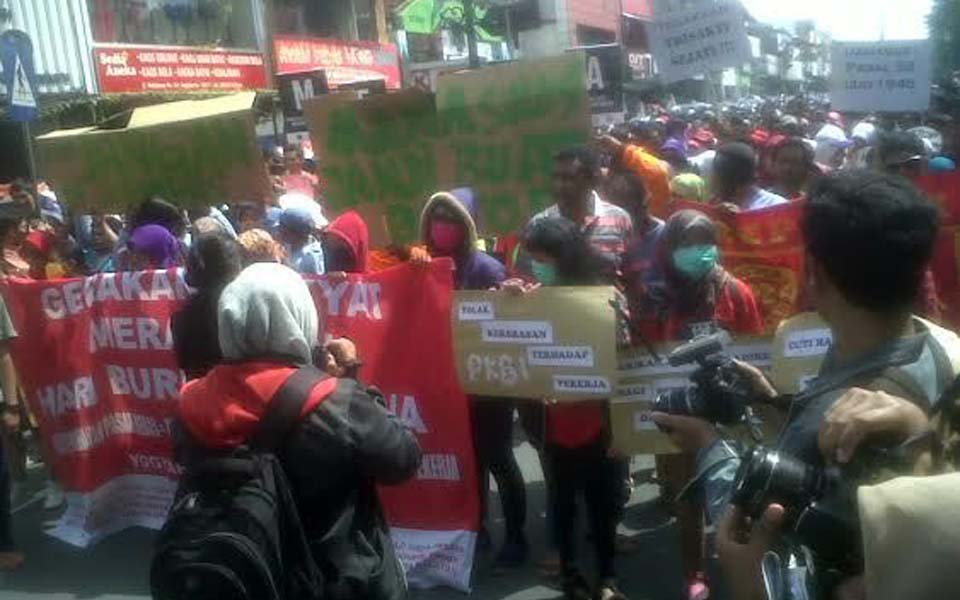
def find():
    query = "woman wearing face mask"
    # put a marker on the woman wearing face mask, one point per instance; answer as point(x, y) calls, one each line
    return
point(448, 228)
point(576, 444)
point(703, 297)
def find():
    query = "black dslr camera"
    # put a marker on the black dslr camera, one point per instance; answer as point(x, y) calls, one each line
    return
point(820, 511)
point(720, 394)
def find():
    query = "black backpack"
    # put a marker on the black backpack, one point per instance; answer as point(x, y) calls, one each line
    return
point(234, 532)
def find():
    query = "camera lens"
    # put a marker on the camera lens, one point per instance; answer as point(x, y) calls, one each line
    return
point(768, 477)
point(684, 402)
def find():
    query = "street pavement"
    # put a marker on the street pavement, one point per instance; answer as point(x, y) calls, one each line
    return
point(117, 567)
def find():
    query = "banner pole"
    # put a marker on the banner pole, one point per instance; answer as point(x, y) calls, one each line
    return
point(31, 159)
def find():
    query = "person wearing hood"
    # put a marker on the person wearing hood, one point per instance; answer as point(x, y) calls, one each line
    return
point(213, 262)
point(345, 244)
point(152, 247)
point(448, 229)
point(345, 444)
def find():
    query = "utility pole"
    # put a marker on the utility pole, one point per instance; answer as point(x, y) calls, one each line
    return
point(470, 23)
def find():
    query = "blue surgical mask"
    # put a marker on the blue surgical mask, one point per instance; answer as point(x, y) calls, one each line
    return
point(695, 262)
point(544, 272)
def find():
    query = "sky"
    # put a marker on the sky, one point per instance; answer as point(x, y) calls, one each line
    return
point(849, 20)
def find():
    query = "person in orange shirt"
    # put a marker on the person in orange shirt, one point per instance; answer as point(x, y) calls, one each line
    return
point(654, 172)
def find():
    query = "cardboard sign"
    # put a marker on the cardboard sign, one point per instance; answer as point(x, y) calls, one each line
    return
point(799, 347)
point(122, 68)
point(192, 153)
point(494, 129)
point(880, 76)
point(643, 379)
point(708, 37)
point(529, 347)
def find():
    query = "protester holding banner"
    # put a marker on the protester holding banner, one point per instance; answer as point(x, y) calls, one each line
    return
point(734, 180)
point(793, 168)
point(576, 443)
point(448, 228)
point(268, 326)
point(345, 244)
point(213, 262)
point(654, 172)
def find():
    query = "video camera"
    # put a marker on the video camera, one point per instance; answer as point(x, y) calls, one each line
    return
point(721, 393)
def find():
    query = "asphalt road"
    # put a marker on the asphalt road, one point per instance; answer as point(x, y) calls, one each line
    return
point(117, 567)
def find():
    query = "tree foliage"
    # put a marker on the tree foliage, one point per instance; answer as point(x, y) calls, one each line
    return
point(944, 27)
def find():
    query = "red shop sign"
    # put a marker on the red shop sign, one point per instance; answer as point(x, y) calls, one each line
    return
point(123, 68)
point(344, 62)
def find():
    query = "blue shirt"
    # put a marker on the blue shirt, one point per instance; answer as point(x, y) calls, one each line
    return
point(308, 260)
point(761, 198)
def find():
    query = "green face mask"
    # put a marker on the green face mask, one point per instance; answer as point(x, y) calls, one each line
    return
point(544, 272)
point(695, 261)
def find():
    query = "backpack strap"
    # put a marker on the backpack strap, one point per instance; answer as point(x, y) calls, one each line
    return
point(285, 407)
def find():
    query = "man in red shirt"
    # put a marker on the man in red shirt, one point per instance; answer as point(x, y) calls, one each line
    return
point(296, 179)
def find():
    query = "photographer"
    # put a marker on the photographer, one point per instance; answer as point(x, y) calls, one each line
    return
point(868, 239)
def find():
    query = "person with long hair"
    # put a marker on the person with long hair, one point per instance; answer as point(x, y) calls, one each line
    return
point(576, 442)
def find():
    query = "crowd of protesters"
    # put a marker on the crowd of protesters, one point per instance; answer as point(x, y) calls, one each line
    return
point(615, 221)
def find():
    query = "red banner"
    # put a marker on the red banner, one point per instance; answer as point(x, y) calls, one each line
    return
point(764, 248)
point(96, 361)
point(944, 189)
point(122, 68)
point(344, 62)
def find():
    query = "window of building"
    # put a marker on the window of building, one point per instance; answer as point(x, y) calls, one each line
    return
point(223, 23)
point(591, 36)
point(314, 18)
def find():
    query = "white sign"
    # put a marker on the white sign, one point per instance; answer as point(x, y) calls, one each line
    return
point(696, 41)
point(517, 332)
point(581, 384)
point(807, 342)
point(22, 94)
point(476, 310)
point(880, 76)
point(560, 356)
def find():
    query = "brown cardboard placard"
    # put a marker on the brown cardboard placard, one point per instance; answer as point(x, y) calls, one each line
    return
point(643, 379)
point(495, 129)
point(192, 153)
point(554, 342)
point(799, 347)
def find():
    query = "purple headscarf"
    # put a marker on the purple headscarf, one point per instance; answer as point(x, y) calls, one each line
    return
point(676, 145)
point(156, 243)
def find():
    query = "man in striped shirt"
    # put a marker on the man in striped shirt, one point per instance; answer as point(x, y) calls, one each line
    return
point(607, 226)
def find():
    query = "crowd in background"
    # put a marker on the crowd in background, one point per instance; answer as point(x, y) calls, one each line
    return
point(615, 221)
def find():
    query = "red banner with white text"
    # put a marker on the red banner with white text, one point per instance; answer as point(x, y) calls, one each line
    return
point(96, 361)
point(944, 190)
point(764, 248)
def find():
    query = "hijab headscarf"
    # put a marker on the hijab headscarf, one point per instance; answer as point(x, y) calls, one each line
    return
point(689, 187)
point(693, 298)
point(157, 243)
point(268, 312)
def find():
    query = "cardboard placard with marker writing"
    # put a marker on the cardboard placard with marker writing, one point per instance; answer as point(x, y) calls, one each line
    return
point(556, 342)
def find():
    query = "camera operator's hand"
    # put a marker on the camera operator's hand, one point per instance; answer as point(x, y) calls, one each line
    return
point(690, 434)
point(861, 414)
point(759, 383)
point(341, 357)
point(741, 546)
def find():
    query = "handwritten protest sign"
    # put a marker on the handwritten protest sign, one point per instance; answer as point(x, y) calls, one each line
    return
point(643, 379)
point(709, 36)
point(494, 129)
point(557, 342)
point(193, 153)
point(880, 76)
